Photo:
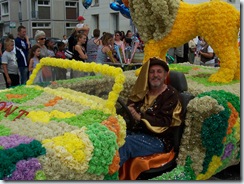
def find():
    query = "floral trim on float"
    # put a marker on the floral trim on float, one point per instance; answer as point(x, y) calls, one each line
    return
point(60, 134)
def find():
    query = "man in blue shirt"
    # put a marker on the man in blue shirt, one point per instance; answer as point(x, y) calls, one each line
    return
point(22, 45)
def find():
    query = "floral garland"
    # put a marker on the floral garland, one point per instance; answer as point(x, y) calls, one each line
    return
point(117, 73)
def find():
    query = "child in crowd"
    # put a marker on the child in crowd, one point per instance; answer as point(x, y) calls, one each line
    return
point(81, 27)
point(65, 40)
point(9, 64)
point(61, 72)
point(34, 59)
point(50, 47)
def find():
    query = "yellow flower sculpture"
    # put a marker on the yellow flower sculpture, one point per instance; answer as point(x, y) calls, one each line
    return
point(164, 24)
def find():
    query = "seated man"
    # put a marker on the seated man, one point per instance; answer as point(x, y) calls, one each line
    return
point(155, 108)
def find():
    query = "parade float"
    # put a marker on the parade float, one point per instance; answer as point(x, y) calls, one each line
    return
point(70, 130)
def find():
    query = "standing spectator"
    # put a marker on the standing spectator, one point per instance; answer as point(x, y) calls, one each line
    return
point(181, 53)
point(105, 50)
point(131, 45)
point(50, 47)
point(79, 49)
point(79, 53)
point(34, 59)
point(200, 43)
point(22, 45)
point(192, 50)
point(0, 55)
point(92, 46)
point(81, 27)
point(65, 41)
point(40, 37)
point(122, 35)
point(119, 46)
point(9, 64)
point(61, 72)
point(72, 40)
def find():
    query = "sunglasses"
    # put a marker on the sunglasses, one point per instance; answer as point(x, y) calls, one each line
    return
point(42, 38)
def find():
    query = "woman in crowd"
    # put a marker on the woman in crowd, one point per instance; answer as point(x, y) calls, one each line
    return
point(131, 43)
point(79, 53)
point(92, 46)
point(119, 46)
point(105, 50)
point(40, 37)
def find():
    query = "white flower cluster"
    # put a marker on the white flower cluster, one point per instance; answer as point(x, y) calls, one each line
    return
point(198, 110)
point(153, 18)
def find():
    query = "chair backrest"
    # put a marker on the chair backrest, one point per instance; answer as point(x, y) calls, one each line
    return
point(178, 81)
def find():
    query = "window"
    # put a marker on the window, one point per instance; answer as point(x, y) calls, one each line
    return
point(5, 8)
point(44, 3)
point(95, 21)
point(41, 24)
point(114, 22)
point(72, 25)
point(95, 3)
point(70, 4)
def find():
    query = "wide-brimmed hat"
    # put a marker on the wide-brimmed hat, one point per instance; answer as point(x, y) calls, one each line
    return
point(80, 18)
point(158, 61)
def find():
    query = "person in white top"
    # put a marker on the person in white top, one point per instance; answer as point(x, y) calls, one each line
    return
point(81, 26)
point(65, 41)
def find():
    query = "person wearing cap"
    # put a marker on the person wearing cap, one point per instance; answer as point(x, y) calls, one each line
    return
point(155, 108)
point(81, 27)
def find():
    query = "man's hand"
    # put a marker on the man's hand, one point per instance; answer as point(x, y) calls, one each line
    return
point(133, 112)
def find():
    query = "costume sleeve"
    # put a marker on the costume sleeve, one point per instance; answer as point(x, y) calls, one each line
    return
point(163, 114)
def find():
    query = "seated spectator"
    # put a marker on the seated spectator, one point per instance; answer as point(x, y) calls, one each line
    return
point(207, 54)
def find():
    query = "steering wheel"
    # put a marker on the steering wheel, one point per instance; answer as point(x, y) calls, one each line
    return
point(123, 110)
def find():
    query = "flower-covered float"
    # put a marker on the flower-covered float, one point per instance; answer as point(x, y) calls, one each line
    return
point(60, 132)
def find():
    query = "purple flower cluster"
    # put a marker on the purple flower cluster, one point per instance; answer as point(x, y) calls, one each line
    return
point(14, 140)
point(228, 149)
point(25, 170)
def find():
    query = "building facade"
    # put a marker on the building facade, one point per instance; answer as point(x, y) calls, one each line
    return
point(55, 17)
point(58, 17)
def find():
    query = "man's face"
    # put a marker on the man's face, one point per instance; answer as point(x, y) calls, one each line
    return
point(22, 33)
point(156, 76)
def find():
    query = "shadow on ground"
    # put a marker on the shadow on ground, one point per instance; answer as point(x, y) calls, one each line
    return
point(230, 173)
